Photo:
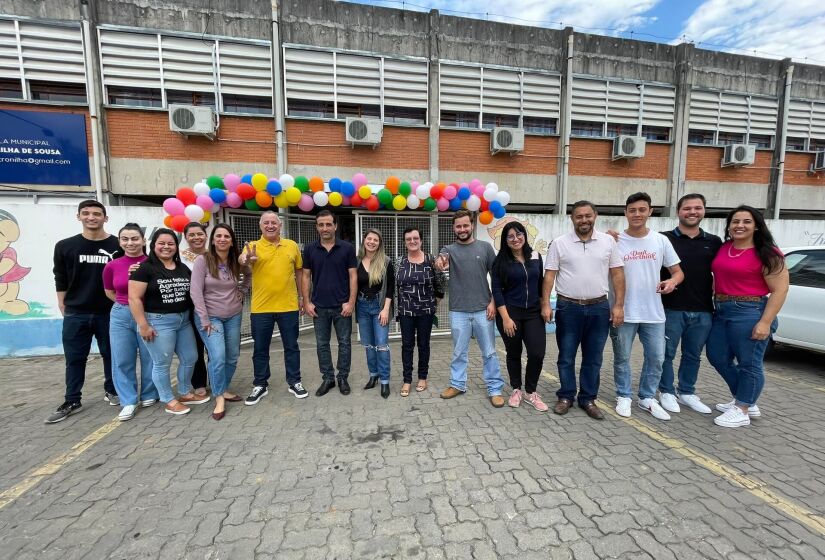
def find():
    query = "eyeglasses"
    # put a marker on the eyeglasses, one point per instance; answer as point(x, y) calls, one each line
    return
point(514, 237)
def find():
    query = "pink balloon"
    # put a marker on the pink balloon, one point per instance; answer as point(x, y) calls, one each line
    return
point(234, 200)
point(449, 192)
point(359, 180)
point(347, 200)
point(474, 183)
point(173, 206)
point(306, 203)
point(205, 202)
point(414, 185)
point(442, 204)
point(231, 182)
point(478, 190)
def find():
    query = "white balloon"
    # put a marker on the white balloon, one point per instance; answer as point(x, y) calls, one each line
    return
point(490, 195)
point(473, 203)
point(423, 191)
point(491, 186)
point(320, 198)
point(287, 181)
point(503, 197)
point(413, 201)
point(201, 188)
point(194, 212)
point(215, 208)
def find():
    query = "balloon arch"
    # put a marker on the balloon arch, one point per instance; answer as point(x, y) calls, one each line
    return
point(259, 192)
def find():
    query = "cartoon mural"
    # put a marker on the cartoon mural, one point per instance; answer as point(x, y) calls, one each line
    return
point(537, 242)
point(10, 271)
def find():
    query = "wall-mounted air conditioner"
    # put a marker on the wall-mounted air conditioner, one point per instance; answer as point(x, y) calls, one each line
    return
point(506, 140)
point(628, 147)
point(739, 155)
point(193, 120)
point(364, 131)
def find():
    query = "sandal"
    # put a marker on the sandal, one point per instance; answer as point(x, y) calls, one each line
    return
point(422, 385)
point(405, 390)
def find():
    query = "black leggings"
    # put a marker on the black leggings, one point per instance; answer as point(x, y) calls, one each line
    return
point(530, 332)
point(199, 376)
point(422, 326)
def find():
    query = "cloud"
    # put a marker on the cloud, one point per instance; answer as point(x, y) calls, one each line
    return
point(776, 28)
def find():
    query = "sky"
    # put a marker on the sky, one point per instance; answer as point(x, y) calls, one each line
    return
point(768, 28)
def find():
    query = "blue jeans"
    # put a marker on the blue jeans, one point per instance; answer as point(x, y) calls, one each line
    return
point(374, 337)
point(174, 336)
point(692, 329)
point(329, 317)
point(730, 339)
point(464, 325)
point(586, 326)
point(224, 347)
point(263, 325)
point(78, 330)
point(652, 336)
point(127, 345)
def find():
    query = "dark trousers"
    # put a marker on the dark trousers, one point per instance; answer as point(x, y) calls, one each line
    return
point(329, 317)
point(263, 325)
point(530, 334)
point(78, 330)
point(199, 373)
point(586, 326)
point(415, 330)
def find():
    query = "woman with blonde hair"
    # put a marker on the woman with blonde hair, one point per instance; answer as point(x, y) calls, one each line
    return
point(376, 285)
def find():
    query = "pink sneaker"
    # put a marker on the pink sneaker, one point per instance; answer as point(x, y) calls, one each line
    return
point(534, 400)
point(515, 398)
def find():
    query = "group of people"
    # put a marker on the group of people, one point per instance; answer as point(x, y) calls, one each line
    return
point(683, 287)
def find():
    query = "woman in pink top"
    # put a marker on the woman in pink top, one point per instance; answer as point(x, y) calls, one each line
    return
point(125, 341)
point(748, 268)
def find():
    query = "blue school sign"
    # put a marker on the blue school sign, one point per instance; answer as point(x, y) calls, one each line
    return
point(43, 148)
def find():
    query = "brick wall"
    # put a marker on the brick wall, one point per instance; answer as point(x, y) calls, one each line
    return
point(470, 151)
point(324, 143)
point(704, 164)
point(796, 170)
point(146, 135)
point(594, 158)
point(51, 109)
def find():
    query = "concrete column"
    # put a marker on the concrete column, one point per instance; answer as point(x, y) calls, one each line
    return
point(774, 201)
point(565, 110)
point(278, 101)
point(433, 108)
point(681, 121)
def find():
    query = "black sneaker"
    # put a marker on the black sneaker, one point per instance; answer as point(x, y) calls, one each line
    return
point(255, 395)
point(113, 400)
point(64, 410)
point(298, 390)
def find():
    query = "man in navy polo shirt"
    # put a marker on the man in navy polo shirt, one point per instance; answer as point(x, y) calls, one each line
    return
point(329, 264)
point(688, 310)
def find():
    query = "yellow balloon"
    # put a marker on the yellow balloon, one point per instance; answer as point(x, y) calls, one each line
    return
point(364, 192)
point(399, 202)
point(293, 195)
point(259, 181)
point(281, 200)
point(335, 199)
point(207, 215)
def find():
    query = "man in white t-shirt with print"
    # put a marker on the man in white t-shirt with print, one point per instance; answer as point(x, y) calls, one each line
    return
point(644, 253)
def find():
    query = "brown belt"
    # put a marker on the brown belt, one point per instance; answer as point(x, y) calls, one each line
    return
point(726, 297)
point(582, 301)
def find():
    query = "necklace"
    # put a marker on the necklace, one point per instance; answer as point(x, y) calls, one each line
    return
point(742, 252)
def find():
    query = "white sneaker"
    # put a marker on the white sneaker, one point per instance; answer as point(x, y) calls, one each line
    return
point(753, 411)
point(147, 403)
point(127, 412)
point(653, 407)
point(623, 406)
point(694, 403)
point(732, 418)
point(668, 402)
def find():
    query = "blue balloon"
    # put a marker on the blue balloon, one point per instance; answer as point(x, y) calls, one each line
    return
point(464, 193)
point(273, 187)
point(247, 179)
point(347, 188)
point(217, 195)
point(499, 213)
point(455, 204)
point(335, 185)
point(495, 206)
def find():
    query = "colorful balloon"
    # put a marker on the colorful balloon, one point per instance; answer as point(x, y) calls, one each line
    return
point(372, 203)
point(321, 198)
point(437, 191)
point(306, 204)
point(218, 195)
point(173, 206)
point(442, 204)
point(490, 195)
point(214, 182)
point(455, 204)
point(302, 183)
point(346, 200)
point(359, 180)
point(503, 197)
point(186, 195)
point(245, 191)
point(464, 193)
point(450, 192)
point(179, 222)
point(204, 201)
point(201, 188)
point(423, 191)
point(404, 189)
point(247, 179)
point(499, 213)
point(491, 186)
point(429, 205)
point(399, 202)
point(287, 181)
point(273, 187)
point(281, 200)
point(167, 221)
point(335, 199)
point(348, 188)
point(316, 184)
point(234, 200)
point(231, 181)
point(335, 184)
point(293, 196)
point(392, 184)
point(251, 204)
point(485, 218)
point(206, 217)
point(356, 200)
point(263, 199)
point(364, 192)
point(473, 203)
point(259, 181)
point(413, 202)
point(385, 197)
point(193, 212)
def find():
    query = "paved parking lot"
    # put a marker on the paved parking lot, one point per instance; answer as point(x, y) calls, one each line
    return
point(417, 477)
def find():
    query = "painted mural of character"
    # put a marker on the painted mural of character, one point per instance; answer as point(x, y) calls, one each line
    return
point(538, 244)
point(10, 271)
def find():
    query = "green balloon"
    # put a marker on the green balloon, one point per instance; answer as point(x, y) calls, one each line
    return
point(429, 205)
point(385, 197)
point(404, 189)
point(302, 183)
point(215, 182)
point(251, 204)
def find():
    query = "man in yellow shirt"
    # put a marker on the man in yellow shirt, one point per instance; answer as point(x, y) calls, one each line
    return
point(276, 278)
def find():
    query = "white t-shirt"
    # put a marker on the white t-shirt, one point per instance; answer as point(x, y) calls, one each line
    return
point(644, 258)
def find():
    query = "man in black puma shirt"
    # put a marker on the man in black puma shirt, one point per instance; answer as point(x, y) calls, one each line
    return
point(78, 279)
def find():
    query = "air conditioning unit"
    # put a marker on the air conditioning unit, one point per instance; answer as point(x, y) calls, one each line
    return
point(506, 140)
point(738, 155)
point(627, 147)
point(819, 161)
point(191, 120)
point(364, 131)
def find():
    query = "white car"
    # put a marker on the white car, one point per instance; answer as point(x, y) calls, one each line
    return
point(802, 318)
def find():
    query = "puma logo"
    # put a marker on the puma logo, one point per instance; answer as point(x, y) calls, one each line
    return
point(104, 252)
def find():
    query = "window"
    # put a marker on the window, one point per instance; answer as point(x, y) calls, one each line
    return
point(11, 89)
point(60, 92)
point(794, 144)
point(816, 145)
point(809, 270)
point(135, 97)
point(405, 115)
point(190, 98)
point(358, 110)
point(727, 138)
point(314, 109)
point(539, 125)
point(589, 129)
point(761, 140)
point(700, 137)
point(614, 130)
point(459, 119)
point(490, 121)
point(247, 104)
point(656, 133)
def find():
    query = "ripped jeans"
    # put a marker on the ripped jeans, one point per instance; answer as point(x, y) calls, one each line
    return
point(464, 325)
point(374, 337)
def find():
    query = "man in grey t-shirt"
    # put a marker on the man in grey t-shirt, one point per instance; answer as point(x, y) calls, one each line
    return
point(472, 311)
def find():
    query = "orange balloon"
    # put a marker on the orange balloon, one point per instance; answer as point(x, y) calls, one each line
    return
point(167, 221)
point(316, 184)
point(392, 184)
point(263, 199)
point(485, 217)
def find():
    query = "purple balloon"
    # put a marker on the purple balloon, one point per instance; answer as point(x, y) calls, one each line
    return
point(346, 201)
point(173, 206)
point(306, 203)
point(234, 200)
point(205, 201)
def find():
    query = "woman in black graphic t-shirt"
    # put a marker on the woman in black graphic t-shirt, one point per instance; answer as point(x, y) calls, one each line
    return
point(159, 300)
